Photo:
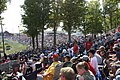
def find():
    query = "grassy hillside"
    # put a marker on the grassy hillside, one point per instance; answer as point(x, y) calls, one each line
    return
point(12, 46)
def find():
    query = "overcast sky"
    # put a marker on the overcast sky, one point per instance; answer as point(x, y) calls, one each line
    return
point(12, 16)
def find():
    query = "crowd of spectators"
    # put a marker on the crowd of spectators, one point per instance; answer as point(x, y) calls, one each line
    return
point(83, 59)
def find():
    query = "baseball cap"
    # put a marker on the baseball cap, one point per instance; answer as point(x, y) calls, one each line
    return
point(55, 56)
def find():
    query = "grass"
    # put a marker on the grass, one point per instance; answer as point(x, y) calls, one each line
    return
point(14, 46)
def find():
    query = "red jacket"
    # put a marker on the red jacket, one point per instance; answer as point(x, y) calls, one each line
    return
point(91, 68)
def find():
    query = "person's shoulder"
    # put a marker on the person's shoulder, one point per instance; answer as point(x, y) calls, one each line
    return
point(79, 77)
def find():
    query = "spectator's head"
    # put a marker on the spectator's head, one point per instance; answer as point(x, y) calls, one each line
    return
point(91, 52)
point(55, 57)
point(82, 67)
point(102, 48)
point(67, 73)
point(98, 52)
point(85, 58)
point(118, 28)
point(116, 48)
point(67, 58)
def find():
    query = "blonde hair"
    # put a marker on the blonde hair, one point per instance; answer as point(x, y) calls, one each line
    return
point(68, 73)
point(81, 65)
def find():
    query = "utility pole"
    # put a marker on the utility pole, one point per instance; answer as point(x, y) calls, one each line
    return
point(2, 34)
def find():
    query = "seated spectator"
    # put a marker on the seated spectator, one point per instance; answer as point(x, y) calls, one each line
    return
point(67, 73)
point(106, 69)
point(57, 71)
point(103, 52)
point(48, 74)
point(117, 34)
point(117, 74)
point(83, 70)
point(16, 74)
point(74, 61)
point(117, 50)
point(67, 62)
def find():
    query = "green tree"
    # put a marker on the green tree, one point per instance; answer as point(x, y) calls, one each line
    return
point(94, 18)
point(112, 11)
point(31, 18)
point(55, 16)
point(72, 11)
point(36, 17)
point(45, 13)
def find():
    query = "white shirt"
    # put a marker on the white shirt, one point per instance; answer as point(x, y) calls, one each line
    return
point(94, 63)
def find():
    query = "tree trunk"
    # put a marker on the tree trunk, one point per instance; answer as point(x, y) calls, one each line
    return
point(69, 34)
point(111, 20)
point(42, 44)
point(37, 41)
point(54, 35)
point(33, 42)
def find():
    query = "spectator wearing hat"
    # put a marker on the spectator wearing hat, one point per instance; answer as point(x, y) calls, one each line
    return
point(103, 52)
point(86, 59)
point(48, 74)
point(83, 70)
point(99, 58)
point(93, 59)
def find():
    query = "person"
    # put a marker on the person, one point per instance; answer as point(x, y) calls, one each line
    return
point(117, 34)
point(84, 72)
point(86, 59)
point(75, 48)
point(67, 73)
point(48, 74)
point(16, 74)
point(117, 51)
point(67, 62)
point(57, 71)
point(93, 59)
point(88, 44)
point(99, 58)
point(117, 74)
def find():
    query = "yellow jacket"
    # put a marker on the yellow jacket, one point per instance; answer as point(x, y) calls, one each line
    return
point(50, 71)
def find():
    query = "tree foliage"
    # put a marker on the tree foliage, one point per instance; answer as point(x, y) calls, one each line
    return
point(72, 12)
point(94, 17)
point(112, 11)
point(36, 16)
